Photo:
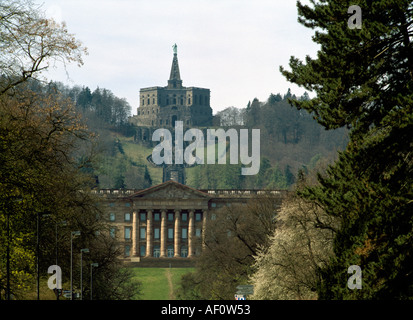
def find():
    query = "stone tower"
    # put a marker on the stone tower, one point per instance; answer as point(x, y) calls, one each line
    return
point(160, 107)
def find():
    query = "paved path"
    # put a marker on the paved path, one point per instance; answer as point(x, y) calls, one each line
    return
point(171, 287)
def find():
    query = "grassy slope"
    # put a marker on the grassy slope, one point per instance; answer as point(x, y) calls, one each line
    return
point(138, 154)
point(155, 282)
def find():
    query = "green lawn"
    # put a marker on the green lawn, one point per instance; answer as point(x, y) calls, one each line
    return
point(155, 283)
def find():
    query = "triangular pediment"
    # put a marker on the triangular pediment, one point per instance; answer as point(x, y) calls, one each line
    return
point(170, 190)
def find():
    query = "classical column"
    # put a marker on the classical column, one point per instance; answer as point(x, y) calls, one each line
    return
point(135, 232)
point(177, 236)
point(204, 222)
point(163, 234)
point(190, 234)
point(149, 233)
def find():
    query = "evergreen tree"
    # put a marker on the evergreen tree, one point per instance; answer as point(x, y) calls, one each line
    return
point(363, 79)
point(84, 99)
point(147, 180)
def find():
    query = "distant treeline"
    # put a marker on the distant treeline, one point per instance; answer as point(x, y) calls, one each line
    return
point(100, 108)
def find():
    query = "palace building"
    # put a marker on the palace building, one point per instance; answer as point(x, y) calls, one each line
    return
point(165, 224)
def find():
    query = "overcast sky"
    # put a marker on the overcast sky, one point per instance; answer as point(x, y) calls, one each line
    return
point(232, 47)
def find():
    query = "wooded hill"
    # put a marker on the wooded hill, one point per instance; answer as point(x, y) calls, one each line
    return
point(291, 140)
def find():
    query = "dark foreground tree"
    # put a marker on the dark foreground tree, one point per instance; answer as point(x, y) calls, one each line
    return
point(363, 79)
point(44, 157)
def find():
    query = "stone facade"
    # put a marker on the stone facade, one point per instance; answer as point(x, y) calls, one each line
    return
point(162, 106)
point(165, 224)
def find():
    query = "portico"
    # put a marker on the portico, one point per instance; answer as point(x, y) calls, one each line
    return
point(165, 224)
point(168, 221)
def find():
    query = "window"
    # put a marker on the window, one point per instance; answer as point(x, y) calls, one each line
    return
point(170, 233)
point(127, 233)
point(143, 251)
point(127, 251)
point(156, 251)
point(127, 217)
point(111, 204)
point(112, 232)
point(197, 232)
point(142, 233)
point(143, 216)
point(170, 251)
point(213, 205)
point(184, 251)
point(156, 233)
point(170, 217)
point(198, 216)
point(213, 216)
point(112, 216)
point(184, 233)
point(184, 217)
point(127, 204)
point(157, 216)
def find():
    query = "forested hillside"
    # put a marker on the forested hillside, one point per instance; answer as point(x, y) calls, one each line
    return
point(291, 140)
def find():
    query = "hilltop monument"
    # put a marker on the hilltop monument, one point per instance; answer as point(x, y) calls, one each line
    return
point(161, 107)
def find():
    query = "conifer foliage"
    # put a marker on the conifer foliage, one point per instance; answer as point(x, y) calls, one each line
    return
point(363, 80)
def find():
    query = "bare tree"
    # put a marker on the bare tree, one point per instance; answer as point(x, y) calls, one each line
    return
point(233, 235)
point(30, 43)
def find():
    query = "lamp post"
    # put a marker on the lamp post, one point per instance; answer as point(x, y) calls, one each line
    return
point(62, 223)
point(39, 215)
point(8, 257)
point(86, 250)
point(91, 278)
point(73, 233)
point(8, 249)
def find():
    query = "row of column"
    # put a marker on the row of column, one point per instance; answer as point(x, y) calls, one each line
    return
point(163, 238)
